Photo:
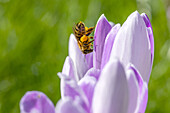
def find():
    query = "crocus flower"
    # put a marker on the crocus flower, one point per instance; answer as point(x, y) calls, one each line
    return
point(112, 79)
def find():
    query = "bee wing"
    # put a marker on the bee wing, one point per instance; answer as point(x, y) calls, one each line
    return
point(80, 27)
point(76, 34)
point(80, 45)
point(74, 31)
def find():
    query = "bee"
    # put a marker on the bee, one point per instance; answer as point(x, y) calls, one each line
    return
point(84, 41)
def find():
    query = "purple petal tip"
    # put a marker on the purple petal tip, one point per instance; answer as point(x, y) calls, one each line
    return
point(35, 101)
point(102, 29)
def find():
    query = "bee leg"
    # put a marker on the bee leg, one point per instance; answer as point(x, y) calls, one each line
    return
point(80, 45)
point(91, 41)
point(89, 30)
point(90, 50)
point(91, 37)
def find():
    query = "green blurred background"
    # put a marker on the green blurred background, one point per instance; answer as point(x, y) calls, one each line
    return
point(34, 38)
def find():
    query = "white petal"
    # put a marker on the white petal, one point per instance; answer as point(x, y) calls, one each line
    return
point(109, 41)
point(69, 88)
point(143, 91)
point(78, 57)
point(87, 84)
point(132, 45)
point(69, 106)
point(69, 69)
point(143, 99)
point(133, 91)
point(89, 60)
point(111, 92)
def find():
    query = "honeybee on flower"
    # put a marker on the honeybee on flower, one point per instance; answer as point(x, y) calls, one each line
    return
point(84, 41)
point(113, 78)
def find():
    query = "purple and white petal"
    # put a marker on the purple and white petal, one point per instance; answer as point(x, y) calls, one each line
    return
point(102, 29)
point(36, 102)
point(132, 45)
point(111, 23)
point(94, 73)
point(146, 19)
point(133, 90)
point(69, 106)
point(89, 60)
point(143, 91)
point(143, 99)
point(69, 69)
point(87, 84)
point(70, 88)
point(109, 41)
point(111, 91)
point(78, 57)
point(151, 38)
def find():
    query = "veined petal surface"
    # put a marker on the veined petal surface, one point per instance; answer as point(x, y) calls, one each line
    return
point(102, 29)
point(87, 84)
point(109, 44)
point(111, 91)
point(69, 106)
point(151, 38)
point(132, 45)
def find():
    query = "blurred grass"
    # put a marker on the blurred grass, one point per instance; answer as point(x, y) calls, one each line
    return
point(34, 43)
